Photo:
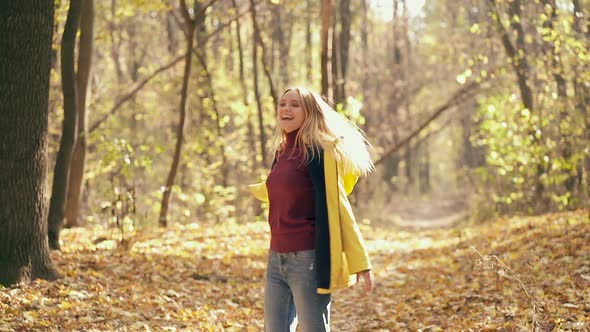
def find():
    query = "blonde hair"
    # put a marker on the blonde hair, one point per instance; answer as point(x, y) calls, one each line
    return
point(325, 128)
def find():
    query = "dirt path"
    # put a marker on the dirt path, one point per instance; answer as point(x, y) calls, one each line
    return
point(438, 212)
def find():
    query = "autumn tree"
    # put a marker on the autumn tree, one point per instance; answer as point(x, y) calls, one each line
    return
point(327, 6)
point(25, 59)
point(61, 171)
point(77, 166)
point(340, 47)
point(190, 24)
point(260, 107)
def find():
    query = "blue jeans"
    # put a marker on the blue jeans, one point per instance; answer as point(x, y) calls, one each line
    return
point(290, 294)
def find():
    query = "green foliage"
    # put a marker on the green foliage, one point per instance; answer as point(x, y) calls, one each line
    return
point(512, 154)
point(524, 150)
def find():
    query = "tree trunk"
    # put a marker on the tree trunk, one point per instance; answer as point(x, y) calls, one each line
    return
point(393, 104)
point(83, 74)
point(190, 27)
point(200, 30)
point(275, 23)
point(256, 89)
point(344, 44)
point(518, 55)
point(409, 166)
point(308, 45)
point(365, 63)
point(115, 42)
point(523, 73)
point(171, 32)
point(135, 57)
point(218, 126)
point(564, 118)
point(521, 61)
point(251, 133)
point(582, 97)
point(260, 42)
point(326, 17)
point(472, 156)
point(256, 208)
point(229, 57)
point(424, 170)
point(25, 60)
point(283, 45)
point(68, 138)
point(412, 154)
point(335, 59)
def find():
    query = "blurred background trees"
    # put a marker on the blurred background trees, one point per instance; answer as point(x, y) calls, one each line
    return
point(479, 103)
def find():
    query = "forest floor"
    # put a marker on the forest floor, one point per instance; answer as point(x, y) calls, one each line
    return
point(507, 275)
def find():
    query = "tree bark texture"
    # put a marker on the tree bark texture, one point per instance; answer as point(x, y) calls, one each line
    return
point(26, 28)
point(83, 74)
point(68, 138)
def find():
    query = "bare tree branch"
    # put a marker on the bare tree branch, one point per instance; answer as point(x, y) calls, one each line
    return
point(127, 97)
point(216, 31)
point(204, 9)
point(460, 96)
point(184, 11)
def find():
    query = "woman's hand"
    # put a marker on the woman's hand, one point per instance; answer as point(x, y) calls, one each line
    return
point(368, 280)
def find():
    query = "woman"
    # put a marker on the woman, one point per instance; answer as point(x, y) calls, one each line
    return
point(316, 247)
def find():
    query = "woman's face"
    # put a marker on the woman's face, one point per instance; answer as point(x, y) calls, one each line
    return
point(290, 111)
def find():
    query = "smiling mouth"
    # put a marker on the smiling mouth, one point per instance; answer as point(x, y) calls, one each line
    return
point(286, 117)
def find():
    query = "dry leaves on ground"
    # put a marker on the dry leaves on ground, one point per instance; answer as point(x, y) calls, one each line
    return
point(503, 276)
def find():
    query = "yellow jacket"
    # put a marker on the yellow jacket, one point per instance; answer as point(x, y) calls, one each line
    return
point(340, 249)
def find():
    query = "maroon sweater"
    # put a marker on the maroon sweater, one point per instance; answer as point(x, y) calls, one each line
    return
point(291, 196)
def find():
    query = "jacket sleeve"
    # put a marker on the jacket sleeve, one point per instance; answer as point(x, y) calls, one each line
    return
point(259, 191)
point(353, 243)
